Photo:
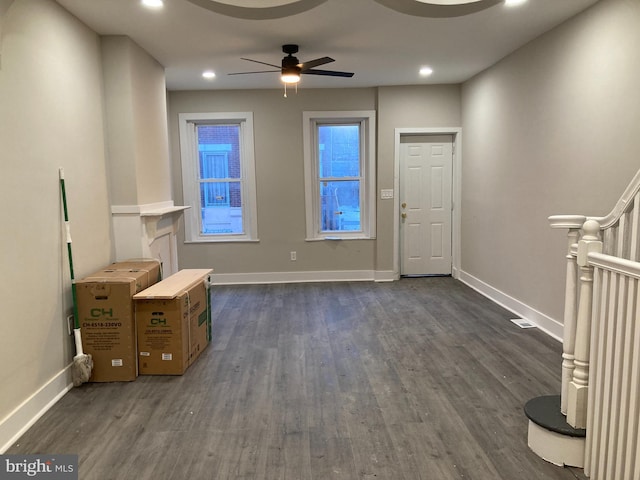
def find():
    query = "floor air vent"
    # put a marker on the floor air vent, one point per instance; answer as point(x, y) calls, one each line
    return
point(522, 323)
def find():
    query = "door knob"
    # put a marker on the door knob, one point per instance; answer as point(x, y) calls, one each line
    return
point(404, 205)
point(404, 215)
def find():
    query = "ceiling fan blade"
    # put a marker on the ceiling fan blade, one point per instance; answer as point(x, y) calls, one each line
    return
point(261, 71)
point(328, 73)
point(316, 63)
point(263, 63)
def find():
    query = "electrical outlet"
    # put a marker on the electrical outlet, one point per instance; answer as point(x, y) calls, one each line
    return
point(293, 256)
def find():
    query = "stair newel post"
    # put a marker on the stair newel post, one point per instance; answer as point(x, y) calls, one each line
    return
point(573, 223)
point(579, 386)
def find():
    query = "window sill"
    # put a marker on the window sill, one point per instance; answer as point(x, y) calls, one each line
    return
point(332, 238)
point(224, 240)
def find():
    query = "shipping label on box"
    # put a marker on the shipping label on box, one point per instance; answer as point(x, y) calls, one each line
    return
point(107, 321)
point(174, 323)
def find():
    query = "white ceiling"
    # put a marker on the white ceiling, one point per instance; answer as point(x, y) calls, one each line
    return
point(380, 45)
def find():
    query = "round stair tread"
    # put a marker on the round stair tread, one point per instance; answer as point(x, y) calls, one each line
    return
point(545, 411)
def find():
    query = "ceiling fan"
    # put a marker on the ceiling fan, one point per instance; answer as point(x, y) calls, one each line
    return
point(291, 68)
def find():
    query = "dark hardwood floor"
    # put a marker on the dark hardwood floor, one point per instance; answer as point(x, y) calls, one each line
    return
point(418, 379)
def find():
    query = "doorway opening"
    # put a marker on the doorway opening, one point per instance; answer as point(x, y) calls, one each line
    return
point(426, 212)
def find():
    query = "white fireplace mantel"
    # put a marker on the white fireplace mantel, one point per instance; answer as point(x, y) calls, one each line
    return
point(148, 231)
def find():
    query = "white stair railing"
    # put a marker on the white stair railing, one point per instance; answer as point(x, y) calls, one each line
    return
point(601, 314)
point(612, 448)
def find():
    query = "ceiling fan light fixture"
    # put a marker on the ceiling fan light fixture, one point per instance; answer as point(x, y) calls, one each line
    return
point(290, 75)
point(290, 78)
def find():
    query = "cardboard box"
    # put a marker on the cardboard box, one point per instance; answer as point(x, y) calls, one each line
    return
point(174, 322)
point(107, 317)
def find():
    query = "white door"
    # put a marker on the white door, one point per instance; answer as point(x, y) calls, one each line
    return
point(425, 204)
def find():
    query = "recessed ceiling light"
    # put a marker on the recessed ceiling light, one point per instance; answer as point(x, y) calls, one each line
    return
point(153, 3)
point(209, 74)
point(426, 71)
point(513, 3)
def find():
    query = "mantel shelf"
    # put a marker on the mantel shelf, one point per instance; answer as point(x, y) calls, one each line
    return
point(161, 212)
point(148, 231)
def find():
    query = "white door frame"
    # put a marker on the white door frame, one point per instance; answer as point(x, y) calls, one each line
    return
point(456, 133)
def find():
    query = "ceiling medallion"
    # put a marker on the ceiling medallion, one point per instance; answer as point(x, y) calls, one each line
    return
point(258, 9)
point(438, 8)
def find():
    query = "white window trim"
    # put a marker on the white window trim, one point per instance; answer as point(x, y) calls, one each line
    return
point(189, 160)
point(367, 119)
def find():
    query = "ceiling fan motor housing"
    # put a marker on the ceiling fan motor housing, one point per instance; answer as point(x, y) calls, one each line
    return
point(290, 64)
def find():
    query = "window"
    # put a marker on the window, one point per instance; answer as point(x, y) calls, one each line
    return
point(218, 176)
point(339, 174)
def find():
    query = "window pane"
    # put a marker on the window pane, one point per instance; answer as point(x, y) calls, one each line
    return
point(214, 165)
point(339, 151)
point(219, 151)
point(340, 206)
point(221, 207)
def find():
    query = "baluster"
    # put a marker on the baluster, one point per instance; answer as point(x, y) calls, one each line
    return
point(569, 335)
point(621, 237)
point(579, 385)
point(635, 229)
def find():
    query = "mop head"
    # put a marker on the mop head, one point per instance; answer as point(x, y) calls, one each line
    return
point(81, 370)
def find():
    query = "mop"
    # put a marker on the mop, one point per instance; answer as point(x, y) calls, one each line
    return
point(82, 362)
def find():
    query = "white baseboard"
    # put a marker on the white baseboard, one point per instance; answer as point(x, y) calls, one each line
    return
point(545, 323)
point(14, 425)
point(297, 277)
point(386, 276)
point(455, 272)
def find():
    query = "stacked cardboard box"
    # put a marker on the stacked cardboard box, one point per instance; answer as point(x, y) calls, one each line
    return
point(174, 322)
point(107, 317)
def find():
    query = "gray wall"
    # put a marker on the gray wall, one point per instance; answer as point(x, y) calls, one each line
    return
point(280, 182)
point(51, 115)
point(551, 129)
point(280, 173)
point(136, 113)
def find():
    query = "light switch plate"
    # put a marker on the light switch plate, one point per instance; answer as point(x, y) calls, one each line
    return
point(386, 193)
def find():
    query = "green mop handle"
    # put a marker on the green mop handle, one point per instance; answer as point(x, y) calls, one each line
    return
point(76, 320)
